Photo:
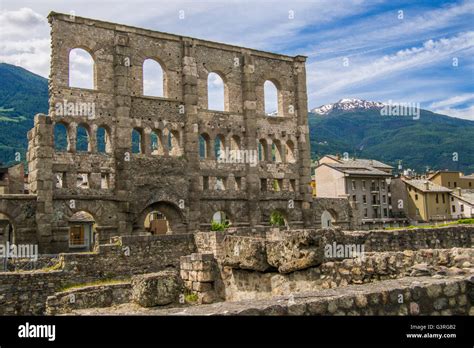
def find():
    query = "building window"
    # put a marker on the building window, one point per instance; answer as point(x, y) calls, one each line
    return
point(153, 79)
point(452, 199)
point(263, 185)
point(220, 184)
point(354, 198)
point(470, 184)
point(238, 183)
point(277, 183)
point(374, 199)
point(416, 196)
point(292, 185)
point(77, 236)
point(384, 199)
point(353, 185)
point(60, 179)
point(216, 93)
point(462, 208)
point(365, 212)
point(437, 199)
point(453, 208)
point(364, 199)
point(81, 69)
point(455, 184)
point(272, 99)
point(385, 212)
point(389, 200)
point(383, 184)
point(363, 185)
point(82, 181)
point(104, 181)
point(444, 198)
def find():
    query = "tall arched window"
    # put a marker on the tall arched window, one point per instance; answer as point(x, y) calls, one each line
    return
point(215, 92)
point(262, 150)
point(155, 143)
point(219, 146)
point(104, 144)
point(81, 69)
point(235, 143)
point(174, 146)
point(137, 141)
point(276, 151)
point(82, 139)
point(290, 152)
point(204, 146)
point(60, 137)
point(153, 79)
point(271, 99)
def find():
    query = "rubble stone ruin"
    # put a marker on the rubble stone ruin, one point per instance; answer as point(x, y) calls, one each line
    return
point(171, 180)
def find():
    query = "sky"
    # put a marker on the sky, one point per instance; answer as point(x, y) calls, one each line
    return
point(399, 51)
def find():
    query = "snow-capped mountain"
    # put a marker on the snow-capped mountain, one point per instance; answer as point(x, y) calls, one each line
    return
point(347, 105)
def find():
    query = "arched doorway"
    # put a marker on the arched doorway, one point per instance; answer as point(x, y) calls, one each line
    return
point(157, 223)
point(7, 232)
point(327, 219)
point(82, 234)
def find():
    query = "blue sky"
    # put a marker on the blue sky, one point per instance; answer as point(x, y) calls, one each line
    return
point(404, 51)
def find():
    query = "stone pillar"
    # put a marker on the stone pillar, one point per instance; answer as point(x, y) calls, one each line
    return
point(249, 99)
point(191, 134)
point(40, 178)
point(304, 149)
point(123, 144)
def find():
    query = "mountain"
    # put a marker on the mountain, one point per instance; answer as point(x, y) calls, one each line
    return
point(357, 127)
point(351, 125)
point(22, 95)
point(347, 105)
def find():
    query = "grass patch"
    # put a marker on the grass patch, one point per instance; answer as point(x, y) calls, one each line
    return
point(95, 283)
point(451, 223)
point(55, 267)
point(191, 298)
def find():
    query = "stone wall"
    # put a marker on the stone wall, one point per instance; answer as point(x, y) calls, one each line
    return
point(88, 297)
point(199, 273)
point(23, 293)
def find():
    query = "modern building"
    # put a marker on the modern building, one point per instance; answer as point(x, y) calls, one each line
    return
point(462, 203)
point(452, 179)
point(427, 201)
point(365, 183)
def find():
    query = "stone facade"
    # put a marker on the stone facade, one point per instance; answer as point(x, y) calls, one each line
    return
point(119, 187)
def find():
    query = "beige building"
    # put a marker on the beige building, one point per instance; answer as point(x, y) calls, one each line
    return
point(462, 203)
point(365, 183)
point(427, 201)
point(452, 179)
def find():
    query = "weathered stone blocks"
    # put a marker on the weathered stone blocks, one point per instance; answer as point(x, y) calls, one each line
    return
point(156, 289)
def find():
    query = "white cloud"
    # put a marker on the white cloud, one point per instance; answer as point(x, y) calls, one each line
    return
point(456, 100)
point(331, 76)
point(465, 113)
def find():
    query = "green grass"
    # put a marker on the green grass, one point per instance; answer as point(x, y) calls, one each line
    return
point(95, 283)
point(451, 223)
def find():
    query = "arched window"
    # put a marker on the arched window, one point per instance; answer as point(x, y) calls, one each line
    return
point(204, 146)
point(290, 152)
point(157, 223)
point(276, 151)
point(271, 99)
point(82, 233)
point(137, 141)
point(219, 221)
point(216, 93)
point(104, 143)
point(262, 150)
point(278, 219)
point(81, 69)
point(219, 146)
point(174, 146)
point(60, 137)
point(235, 143)
point(155, 143)
point(153, 79)
point(82, 139)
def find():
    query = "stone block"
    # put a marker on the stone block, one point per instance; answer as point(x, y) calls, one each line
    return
point(155, 289)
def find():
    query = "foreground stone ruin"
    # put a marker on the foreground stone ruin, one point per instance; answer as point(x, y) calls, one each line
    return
point(431, 269)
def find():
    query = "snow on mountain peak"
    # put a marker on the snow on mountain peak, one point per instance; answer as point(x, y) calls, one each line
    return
point(347, 104)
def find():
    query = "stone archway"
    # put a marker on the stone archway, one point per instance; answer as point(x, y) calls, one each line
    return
point(7, 230)
point(328, 219)
point(169, 212)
